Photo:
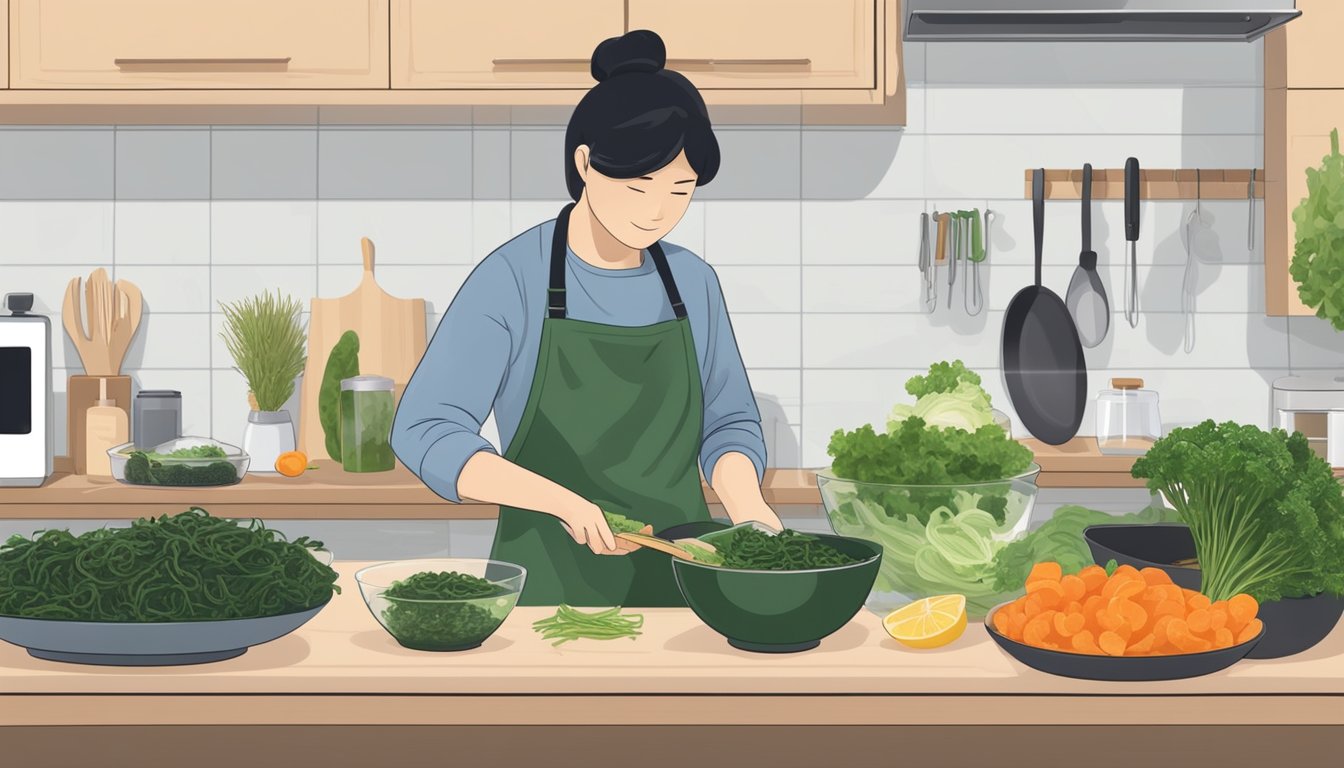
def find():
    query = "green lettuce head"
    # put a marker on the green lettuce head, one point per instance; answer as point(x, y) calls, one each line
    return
point(948, 396)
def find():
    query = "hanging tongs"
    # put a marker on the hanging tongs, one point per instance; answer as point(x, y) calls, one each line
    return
point(928, 293)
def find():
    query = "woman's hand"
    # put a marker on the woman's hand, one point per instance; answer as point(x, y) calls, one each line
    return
point(588, 526)
point(756, 513)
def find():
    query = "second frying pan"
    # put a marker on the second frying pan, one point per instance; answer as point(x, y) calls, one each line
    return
point(1043, 364)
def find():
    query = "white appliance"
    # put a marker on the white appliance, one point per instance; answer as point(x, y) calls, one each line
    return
point(1094, 20)
point(1314, 406)
point(27, 418)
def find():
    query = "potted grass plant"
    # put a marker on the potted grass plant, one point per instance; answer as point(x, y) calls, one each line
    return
point(265, 336)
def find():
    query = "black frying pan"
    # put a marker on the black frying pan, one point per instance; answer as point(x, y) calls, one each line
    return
point(1043, 363)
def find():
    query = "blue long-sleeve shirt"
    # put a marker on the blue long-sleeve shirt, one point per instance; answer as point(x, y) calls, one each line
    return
point(484, 354)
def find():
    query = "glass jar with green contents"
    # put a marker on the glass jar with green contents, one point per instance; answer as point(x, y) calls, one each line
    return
point(366, 424)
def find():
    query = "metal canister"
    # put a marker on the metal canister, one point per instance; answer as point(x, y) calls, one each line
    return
point(157, 417)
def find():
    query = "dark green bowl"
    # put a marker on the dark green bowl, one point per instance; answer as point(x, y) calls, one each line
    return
point(780, 611)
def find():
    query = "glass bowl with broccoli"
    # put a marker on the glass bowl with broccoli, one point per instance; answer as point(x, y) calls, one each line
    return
point(444, 604)
point(943, 488)
point(184, 462)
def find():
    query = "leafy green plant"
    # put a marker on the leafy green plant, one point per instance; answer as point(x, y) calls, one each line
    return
point(1266, 514)
point(1318, 252)
point(266, 339)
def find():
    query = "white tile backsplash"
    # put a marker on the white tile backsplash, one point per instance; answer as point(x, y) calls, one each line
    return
point(812, 231)
point(763, 233)
point(271, 232)
point(402, 231)
point(56, 232)
point(174, 232)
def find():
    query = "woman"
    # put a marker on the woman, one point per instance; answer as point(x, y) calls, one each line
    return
point(606, 355)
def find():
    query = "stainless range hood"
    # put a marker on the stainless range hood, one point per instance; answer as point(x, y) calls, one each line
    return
point(1099, 20)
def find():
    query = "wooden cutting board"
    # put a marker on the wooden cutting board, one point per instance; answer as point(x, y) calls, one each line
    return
point(391, 340)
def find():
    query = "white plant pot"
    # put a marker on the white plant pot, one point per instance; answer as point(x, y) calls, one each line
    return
point(267, 435)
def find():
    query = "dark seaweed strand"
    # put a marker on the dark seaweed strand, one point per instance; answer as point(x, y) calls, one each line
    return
point(444, 585)
point(185, 567)
point(789, 550)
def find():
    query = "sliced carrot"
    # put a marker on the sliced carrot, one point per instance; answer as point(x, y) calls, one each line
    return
point(1155, 576)
point(1003, 621)
point(1112, 644)
point(1068, 624)
point(1199, 621)
point(1074, 588)
point(1218, 615)
point(1037, 631)
point(1017, 625)
point(1159, 632)
point(1094, 577)
point(1197, 601)
point(1222, 638)
point(1178, 632)
point(1142, 646)
point(1126, 571)
point(1132, 612)
point(1169, 608)
point(1046, 571)
point(1242, 608)
point(1085, 642)
point(1073, 607)
point(1031, 606)
point(1249, 632)
point(1109, 618)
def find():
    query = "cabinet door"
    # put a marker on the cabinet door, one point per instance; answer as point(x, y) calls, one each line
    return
point(766, 44)
point(509, 44)
point(198, 44)
point(1310, 116)
point(1313, 45)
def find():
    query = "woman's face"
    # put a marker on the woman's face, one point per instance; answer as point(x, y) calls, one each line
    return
point(639, 211)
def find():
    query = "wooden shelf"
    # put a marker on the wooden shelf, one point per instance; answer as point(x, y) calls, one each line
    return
point(327, 492)
point(1154, 183)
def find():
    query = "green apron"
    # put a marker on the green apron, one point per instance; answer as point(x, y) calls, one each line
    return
point(615, 414)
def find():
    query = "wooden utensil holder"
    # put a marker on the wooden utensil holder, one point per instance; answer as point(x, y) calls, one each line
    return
point(81, 395)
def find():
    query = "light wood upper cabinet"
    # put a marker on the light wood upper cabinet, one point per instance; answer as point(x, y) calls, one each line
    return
point(766, 44)
point(186, 44)
point(533, 44)
point(1313, 42)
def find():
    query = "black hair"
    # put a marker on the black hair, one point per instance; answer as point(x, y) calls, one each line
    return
point(639, 116)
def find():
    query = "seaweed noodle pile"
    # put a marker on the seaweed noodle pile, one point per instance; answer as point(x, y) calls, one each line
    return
point(789, 550)
point(184, 567)
point(420, 615)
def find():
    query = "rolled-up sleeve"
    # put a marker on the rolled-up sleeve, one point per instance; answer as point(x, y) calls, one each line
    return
point(732, 420)
point(438, 422)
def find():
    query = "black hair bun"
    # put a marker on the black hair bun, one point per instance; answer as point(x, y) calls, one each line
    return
point(639, 50)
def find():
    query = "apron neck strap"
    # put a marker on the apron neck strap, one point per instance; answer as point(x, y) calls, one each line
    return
point(556, 301)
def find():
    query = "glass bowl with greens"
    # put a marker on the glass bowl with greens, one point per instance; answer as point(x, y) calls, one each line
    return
point(183, 462)
point(942, 489)
point(443, 604)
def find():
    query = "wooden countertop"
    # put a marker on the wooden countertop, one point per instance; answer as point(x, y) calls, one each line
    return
point(342, 668)
point(327, 492)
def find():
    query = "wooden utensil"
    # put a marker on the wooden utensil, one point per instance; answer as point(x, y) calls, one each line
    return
point(653, 542)
point(103, 327)
point(391, 341)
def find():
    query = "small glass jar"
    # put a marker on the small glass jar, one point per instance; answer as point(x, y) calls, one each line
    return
point(1128, 422)
point(366, 424)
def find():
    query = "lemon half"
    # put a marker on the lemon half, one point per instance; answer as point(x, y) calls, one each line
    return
point(929, 623)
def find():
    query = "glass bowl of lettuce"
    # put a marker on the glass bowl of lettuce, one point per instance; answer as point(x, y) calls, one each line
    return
point(943, 488)
point(179, 463)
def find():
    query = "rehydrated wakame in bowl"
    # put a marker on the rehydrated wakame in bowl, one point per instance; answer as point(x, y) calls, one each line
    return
point(450, 604)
